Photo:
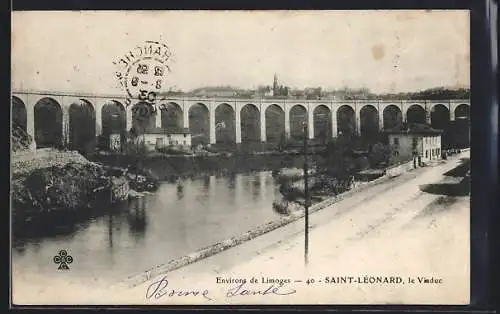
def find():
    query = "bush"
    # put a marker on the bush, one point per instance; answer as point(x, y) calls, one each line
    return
point(171, 150)
point(133, 148)
point(326, 185)
point(282, 144)
point(290, 193)
point(20, 139)
point(380, 155)
point(362, 163)
point(103, 142)
point(211, 149)
point(67, 187)
point(281, 207)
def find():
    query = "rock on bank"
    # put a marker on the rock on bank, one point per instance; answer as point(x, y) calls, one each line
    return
point(48, 180)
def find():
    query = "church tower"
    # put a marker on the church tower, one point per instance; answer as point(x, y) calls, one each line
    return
point(275, 85)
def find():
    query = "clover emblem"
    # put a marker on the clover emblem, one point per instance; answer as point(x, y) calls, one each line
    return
point(63, 259)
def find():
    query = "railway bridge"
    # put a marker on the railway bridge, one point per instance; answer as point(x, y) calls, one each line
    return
point(76, 118)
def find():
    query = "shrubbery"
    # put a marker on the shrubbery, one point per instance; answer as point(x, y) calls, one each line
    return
point(71, 186)
point(20, 139)
point(380, 155)
point(335, 170)
point(362, 163)
point(135, 148)
point(172, 150)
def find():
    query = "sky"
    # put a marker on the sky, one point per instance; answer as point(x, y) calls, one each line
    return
point(385, 51)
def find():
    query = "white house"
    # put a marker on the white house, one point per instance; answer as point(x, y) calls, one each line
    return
point(155, 138)
point(115, 142)
point(416, 140)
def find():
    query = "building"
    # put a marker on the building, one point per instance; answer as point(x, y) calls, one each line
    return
point(275, 85)
point(416, 141)
point(115, 142)
point(156, 138)
point(221, 91)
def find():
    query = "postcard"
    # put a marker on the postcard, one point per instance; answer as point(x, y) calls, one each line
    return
point(240, 157)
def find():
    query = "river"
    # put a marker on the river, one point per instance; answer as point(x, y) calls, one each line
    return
point(180, 218)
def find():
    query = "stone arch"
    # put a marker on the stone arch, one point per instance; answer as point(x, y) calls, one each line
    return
point(230, 104)
point(171, 115)
point(462, 111)
point(199, 123)
point(461, 127)
point(346, 120)
point(19, 114)
point(415, 114)
point(298, 117)
point(113, 120)
point(440, 117)
point(48, 123)
point(250, 123)
point(393, 117)
point(225, 129)
point(275, 123)
point(368, 118)
point(322, 120)
point(81, 125)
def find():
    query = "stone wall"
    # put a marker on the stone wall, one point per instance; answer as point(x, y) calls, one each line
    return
point(139, 278)
point(396, 170)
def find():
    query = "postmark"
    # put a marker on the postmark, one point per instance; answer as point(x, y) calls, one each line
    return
point(143, 73)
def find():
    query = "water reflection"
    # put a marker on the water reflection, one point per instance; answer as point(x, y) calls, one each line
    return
point(255, 187)
point(231, 181)
point(262, 180)
point(110, 230)
point(206, 183)
point(55, 225)
point(137, 218)
point(239, 189)
point(180, 190)
point(212, 186)
point(172, 179)
point(183, 216)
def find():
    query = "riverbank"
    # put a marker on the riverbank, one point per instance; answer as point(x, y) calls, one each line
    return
point(50, 180)
point(268, 255)
point(221, 246)
point(171, 167)
point(359, 232)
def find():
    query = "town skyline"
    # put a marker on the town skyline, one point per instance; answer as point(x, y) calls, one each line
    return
point(344, 93)
point(383, 51)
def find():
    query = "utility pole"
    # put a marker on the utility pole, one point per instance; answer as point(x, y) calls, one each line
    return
point(306, 196)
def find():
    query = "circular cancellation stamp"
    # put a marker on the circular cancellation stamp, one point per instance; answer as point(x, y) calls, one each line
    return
point(142, 72)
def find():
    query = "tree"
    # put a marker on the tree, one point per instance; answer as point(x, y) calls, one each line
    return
point(337, 158)
point(263, 90)
point(132, 133)
point(436, 93)
point(362, 163)
point(282, 142)
point(380, 155)
point(322, 136)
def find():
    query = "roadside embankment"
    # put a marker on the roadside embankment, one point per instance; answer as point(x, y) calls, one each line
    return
point(295, 214)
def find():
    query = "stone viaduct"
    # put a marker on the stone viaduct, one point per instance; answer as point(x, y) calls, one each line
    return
point(331, 117)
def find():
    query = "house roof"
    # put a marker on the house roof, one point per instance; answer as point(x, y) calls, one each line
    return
point(414, 128)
